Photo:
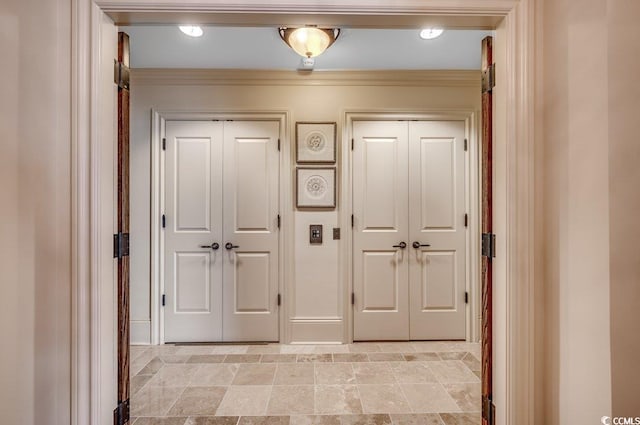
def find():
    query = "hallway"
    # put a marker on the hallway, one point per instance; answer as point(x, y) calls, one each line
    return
point(399, 383)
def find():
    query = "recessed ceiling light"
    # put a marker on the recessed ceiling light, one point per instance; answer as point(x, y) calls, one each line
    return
point(431, 33)
point(192, 30)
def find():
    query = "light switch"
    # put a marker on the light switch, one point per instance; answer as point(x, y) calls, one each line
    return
point(315, 234)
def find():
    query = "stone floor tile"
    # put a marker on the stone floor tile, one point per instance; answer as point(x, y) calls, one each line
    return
point(297, 349)
point(380, 419)
point(138, 382)
point(255, 374)
point(197, 401)
point(315, 420)
point(160, 421)
point(337, 399)
point(173, 375)
point(154, 401)
point(383, 398)
point(212, 420)
point(350, 357)
point(429, 398)
point(278, 358)
point(396, 347)
point(207, 358)
point(194, 349)
point(421, 357)
point(385, 357)
point(467, 396)
point(472, 362)
point(416, 419)
point(314, 358)
point(242, 358)
point(334, 373)
point(214, 374)
point(331, 348)
point(291, 400)
point(373, 373)
point(294, 374)
point(452, 371)
point(152, 367)
point(461, 418)
point(452, 355)
point(264, 420)
point(413, 372)
point(245, 400)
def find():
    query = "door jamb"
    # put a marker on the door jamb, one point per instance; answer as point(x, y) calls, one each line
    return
point(472, 204)
point(158, 120)
point(516, 92)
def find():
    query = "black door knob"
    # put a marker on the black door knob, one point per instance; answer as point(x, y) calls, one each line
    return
point(213, 246)
point(229, 245)
point(417, 245)
point(401, 245)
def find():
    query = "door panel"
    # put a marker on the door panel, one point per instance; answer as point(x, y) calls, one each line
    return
point(193, 184)
point(251, 226)
point(193, 190)
point(436, 218)
point(437, 183)
point(438, 269)
point(380, 281)
point(193, 293)
point(380, 191)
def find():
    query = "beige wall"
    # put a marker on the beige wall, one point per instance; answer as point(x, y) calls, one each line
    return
point(317, 284)
point(623, 58)
point(35, 233)
point(590, 178)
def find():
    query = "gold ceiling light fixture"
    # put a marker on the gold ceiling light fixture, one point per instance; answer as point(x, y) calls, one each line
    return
point(309, 41)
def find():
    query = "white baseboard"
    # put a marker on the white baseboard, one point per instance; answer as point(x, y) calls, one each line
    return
point(316, 330)
point(140, 332)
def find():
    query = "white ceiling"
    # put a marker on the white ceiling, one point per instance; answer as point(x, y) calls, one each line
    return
point(262, 48)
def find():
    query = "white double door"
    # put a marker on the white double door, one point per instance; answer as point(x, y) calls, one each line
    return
point(409, 230)
point(221, 231)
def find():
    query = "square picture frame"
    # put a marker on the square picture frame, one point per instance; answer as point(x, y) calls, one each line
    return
point(316, 142)
point(316, 187)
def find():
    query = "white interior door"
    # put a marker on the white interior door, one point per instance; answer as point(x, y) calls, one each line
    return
point(380, 207)
point(193, 222)
point(251, 231)
point(437, 230)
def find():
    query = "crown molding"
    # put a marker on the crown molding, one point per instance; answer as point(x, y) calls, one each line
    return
point(225, 77)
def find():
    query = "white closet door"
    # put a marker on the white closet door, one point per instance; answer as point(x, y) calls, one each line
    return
point(193, 210)
point(436, 220)
point(380, 191)
point(251, 229)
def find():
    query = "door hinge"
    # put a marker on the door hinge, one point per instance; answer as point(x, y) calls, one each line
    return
point(352, 143)
point(466, 298)
point(279, 221)
point(121, 413)
point(164, 300)
point(466, 220)
point(121, 75)
point(120, 245)
point(353, 221)
point(488, 245)
point(488, 410)
point(353, 298)
point(279, 299)
point(164, 221)
point(489, 79)
point(278, 145)
point(164, 143)
point(466, 145)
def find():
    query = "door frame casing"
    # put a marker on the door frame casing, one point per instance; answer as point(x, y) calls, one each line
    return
point(472, 204)
point(158, 120)
point(515, 125)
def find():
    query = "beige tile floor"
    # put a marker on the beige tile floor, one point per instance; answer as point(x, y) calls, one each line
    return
point(403, 383)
